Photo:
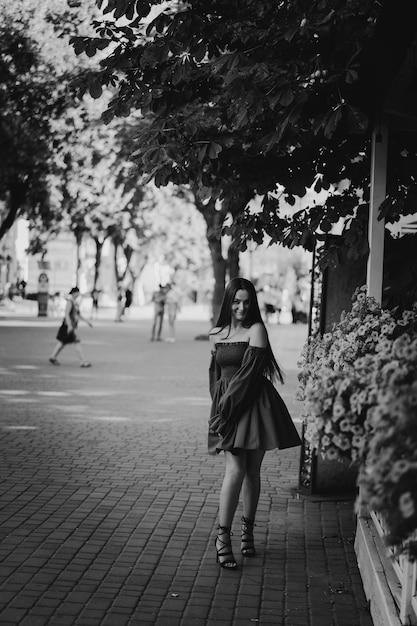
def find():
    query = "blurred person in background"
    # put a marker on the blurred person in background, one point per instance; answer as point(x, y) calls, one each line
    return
point(120, 297)
point(128, 300)
point(158, 300)
point(95, 294)
point(173, 306)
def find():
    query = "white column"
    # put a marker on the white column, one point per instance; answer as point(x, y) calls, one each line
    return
point(376, 228)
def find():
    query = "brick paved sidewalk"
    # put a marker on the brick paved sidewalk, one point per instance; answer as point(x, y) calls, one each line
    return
point(109, 500)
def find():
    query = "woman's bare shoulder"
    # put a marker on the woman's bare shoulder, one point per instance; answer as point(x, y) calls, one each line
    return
point(258, 336)
point(214, 336)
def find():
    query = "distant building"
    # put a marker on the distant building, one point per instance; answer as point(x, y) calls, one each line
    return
point(59, 263)
point(13, 258)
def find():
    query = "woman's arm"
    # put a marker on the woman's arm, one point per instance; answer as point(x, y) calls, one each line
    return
point(67, 317)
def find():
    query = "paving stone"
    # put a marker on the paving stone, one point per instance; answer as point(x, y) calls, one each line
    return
point(109, 499)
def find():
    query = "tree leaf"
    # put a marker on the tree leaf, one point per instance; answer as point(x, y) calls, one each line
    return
point(286, 97)
point(332, 122)
point(214, 150)
point(95, 88)
point(202, 152)
point(200, 52)
point(358, 121)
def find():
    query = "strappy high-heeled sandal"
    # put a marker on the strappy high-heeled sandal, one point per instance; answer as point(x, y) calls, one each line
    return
point(247, 546)
point(224, 552)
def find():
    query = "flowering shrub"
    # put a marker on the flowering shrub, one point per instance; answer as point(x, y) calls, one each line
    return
point(358, 385)
point(388, 479)
point(335, 379)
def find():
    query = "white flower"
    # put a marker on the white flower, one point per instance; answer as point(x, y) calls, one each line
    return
point(338, 409)
point(400, 467)
point(332, 454)
point(325, 441)
point(358, 442)
point(345, 425)
point(342, 442)
point(328, 427)
point(406, 505)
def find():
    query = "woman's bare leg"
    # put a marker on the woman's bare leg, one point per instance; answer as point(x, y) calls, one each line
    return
point(232, 484)
point(229, 498)
point(59, 346)
point(251, 490)
point(252, 482)
point(80, 353)
point(160, 321)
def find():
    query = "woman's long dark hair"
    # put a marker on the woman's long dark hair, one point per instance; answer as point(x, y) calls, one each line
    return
point(253, 315)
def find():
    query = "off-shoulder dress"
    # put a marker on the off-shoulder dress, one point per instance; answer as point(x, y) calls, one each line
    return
point(247, 411)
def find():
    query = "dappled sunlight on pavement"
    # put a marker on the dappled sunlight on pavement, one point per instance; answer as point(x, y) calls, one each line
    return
point(109, 499)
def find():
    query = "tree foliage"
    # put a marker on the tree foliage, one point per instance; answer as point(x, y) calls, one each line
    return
point(36, 65)
point(238, 96)
point(26, 105)
point(242, 96)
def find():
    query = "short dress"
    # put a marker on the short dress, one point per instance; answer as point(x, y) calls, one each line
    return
point(64, 335)
point(247, 411)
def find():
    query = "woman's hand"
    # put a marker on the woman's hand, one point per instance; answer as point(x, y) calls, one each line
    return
point(217, 425)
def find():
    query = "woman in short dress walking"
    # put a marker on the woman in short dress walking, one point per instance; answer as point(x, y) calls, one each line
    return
point(248, 416)
point(66, 333)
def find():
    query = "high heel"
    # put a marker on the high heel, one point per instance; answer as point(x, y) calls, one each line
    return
point(224, 556)
point(247, 546)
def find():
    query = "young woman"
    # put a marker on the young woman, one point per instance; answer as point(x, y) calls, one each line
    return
point(248, 416)
point(66, 333)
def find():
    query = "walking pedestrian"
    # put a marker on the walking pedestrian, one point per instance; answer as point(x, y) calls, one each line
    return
point(173, 306)
point(120, 295)
point(158, 300)
point(248, 416)
point(128, 300)
point(66, 333)
point(95, 295)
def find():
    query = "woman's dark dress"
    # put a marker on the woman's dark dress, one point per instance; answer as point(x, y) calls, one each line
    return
point(65, 336)
point(247, 411)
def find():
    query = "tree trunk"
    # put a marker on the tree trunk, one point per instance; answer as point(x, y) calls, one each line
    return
point(235, 206)
point(233, 262)
point(8, 221)
point(115, 257)
point(128, 252)
point(97, 262)
point(16, 199)
point(78, 239)
point(214, 220)
point(135, 274)
point(219, 273)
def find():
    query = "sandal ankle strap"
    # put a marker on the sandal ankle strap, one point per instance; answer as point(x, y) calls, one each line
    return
point(248, 523)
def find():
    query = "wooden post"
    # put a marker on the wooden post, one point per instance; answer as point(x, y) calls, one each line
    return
point(376, 228)
point(407, 591)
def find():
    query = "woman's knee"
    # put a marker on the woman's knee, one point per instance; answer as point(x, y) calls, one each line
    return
point(254, 464)
point(252, 475)
point(235, 475)
point(235, 466)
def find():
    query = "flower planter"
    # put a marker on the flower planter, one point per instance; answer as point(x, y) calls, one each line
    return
point(318, 475)
point(389, 584)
